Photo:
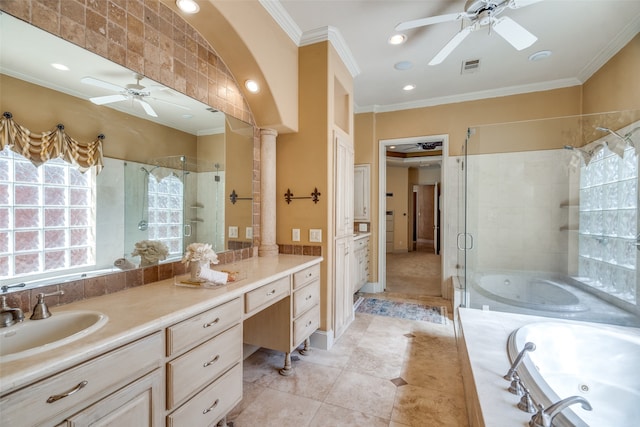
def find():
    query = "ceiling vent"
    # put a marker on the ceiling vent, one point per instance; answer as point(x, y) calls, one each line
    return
point(470, 66)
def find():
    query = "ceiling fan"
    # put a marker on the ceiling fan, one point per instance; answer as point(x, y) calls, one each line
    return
point(134, 91)
point(478, 14)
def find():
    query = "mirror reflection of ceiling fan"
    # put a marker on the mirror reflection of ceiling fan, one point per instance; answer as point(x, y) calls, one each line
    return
point(133, 91)
point(479, 14)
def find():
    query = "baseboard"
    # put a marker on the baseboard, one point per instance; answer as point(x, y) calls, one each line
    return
point(322, 339)
point(372, 288)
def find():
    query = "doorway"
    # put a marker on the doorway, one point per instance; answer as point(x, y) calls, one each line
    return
point(424, 220)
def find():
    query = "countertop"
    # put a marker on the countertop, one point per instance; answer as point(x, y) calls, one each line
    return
point(138, 312)
point(357, 236)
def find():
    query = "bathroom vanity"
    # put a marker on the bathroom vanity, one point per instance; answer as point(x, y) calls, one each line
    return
point(168, 355)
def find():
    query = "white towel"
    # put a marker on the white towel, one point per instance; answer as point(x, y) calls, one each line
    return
point(214, 276)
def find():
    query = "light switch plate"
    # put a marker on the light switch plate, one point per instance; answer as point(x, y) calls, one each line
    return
point(315, 235)
point(295, 234)
point(363, 228)
point(248, 232)
point(233, 232)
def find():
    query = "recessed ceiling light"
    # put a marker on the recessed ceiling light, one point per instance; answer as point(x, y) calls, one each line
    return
point(409, 87)
point(251, 86)
point(60, 67)
point(397, 39)
point(392, 147)
point(538, 56)
point(187, 116)
point(403, 65)
point(188, 6)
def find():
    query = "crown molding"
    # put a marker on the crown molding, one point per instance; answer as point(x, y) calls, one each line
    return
point(614, 46)
point(334, 36)
point(471, 96)
point(283, 19)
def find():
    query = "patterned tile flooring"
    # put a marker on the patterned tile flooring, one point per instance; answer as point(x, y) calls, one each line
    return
point(383, 371)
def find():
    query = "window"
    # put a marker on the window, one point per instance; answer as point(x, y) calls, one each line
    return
point(47, 216)
point(165, 212)
point(609, 223)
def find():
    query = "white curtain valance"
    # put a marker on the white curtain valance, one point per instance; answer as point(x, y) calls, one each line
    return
point(41, 147)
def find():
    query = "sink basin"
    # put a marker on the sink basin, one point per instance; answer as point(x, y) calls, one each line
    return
point(34, 336)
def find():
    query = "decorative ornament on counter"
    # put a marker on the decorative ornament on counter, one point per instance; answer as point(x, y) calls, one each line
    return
point(150, 251)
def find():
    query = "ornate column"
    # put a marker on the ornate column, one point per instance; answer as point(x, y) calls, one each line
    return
point(268, 245)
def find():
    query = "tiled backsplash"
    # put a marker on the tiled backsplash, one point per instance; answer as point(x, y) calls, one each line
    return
point(77, 290)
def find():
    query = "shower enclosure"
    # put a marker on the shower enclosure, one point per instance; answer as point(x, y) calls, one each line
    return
point(550, 224)
point(177, 200)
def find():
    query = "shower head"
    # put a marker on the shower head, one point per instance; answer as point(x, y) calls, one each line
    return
point(612, 132)
point(568, 147)
point(142, 168)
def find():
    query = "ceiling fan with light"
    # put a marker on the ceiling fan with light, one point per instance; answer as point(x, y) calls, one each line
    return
point(133, 91)
point(479, 14)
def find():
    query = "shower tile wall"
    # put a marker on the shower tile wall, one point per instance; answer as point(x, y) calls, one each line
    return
point(518, 211)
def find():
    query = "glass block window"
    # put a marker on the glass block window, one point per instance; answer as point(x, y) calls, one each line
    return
point(47, 216)
point(165, 212)
point(609, 223)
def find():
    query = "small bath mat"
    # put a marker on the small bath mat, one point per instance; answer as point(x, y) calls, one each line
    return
point(404, 310)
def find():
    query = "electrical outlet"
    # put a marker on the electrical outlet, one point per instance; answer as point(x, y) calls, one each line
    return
point(248, 232)
point(233, 232)
point(295, 234)
point(315, 235)
point(362, 228)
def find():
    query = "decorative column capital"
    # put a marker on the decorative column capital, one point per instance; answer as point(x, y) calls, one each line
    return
point(268, 132)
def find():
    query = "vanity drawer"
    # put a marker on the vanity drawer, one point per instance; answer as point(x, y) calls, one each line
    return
point(206, 324)
point(307, 275)
point(212, 403)
point(203, 364)
point(103, 375)
point(266, 295)
point(305, 298)
point(306, 325)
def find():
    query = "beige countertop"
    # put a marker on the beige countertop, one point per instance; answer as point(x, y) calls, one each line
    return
point(140, 311)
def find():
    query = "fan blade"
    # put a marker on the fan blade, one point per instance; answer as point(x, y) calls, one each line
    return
point(170, 103)
point(449, 47)
point(517, 4)
point(147, 107)
point(99, 83)
point(514, 33)
point(108, 99)
point(408, 25)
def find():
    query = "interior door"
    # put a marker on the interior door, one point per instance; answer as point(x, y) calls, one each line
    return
point(425, 218)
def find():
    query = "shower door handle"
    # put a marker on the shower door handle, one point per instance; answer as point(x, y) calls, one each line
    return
point(464, 245)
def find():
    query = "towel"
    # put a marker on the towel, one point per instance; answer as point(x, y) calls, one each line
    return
point(124, 264)
point(214, 276)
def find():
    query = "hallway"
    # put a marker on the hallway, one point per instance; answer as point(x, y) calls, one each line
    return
point(383, 371)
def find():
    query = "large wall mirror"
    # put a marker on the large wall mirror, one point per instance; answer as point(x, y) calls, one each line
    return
point(175, 170)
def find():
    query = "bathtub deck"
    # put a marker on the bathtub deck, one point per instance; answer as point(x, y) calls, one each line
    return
point(483, 338)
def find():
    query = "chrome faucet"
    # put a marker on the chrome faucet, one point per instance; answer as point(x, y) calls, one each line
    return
point(9, 315)
point(510, 376)
point(544, 417)
point(40, 310)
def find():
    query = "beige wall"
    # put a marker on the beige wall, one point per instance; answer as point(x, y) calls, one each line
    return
point(398, 184)
point(126, 137)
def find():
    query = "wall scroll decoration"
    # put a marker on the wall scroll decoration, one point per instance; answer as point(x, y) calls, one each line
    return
point(315, 196)
point(39, 148)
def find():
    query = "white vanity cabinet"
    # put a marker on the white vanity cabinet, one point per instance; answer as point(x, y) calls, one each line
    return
point(204, 370)
point(103, 388)
point(361, 260)
point(290, 313)
point(361, 192)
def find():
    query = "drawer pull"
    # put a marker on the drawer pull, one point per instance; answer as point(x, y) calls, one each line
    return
point(57, 397)
point(212, 361)
point(308, 323)
point(309, 274)
point(308, 297)
point(212, 407)
point(273, 291)
point(206, 325)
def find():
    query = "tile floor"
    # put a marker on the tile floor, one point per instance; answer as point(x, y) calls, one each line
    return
point(382, 372)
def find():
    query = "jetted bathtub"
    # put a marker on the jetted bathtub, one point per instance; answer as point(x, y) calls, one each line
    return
point(529, 291)
point(599, 363)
